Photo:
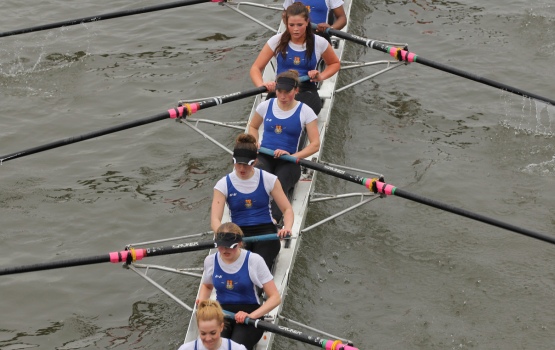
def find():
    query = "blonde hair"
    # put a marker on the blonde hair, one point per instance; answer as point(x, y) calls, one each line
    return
point(210, 310)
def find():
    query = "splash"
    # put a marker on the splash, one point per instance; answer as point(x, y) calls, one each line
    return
point(533, 118)
point(546, 168)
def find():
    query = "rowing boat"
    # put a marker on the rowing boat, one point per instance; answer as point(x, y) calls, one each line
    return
point(398, 193)
point(300, 198)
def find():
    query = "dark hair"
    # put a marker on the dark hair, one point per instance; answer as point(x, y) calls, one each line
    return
point(246, 141)
point(296, 9)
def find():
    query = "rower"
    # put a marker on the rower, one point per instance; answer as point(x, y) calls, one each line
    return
point(299, 49)
point(247, 191)
point(210, 323)
point(332, 15)
point(284, 119)
point(235, 273)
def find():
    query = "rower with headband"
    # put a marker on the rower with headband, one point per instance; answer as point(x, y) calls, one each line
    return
point(247, 191)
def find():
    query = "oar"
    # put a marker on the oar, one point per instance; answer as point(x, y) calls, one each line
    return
point(294, 334)
point(178, 112)
point(128, 256)
point(105, 16)
point(378, 186)
point(404, 55)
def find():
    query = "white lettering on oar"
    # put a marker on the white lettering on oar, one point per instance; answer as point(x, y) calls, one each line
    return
point(334, 169)
point(294, 331)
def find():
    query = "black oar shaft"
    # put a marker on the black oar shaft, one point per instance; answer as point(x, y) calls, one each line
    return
point(124, 255)
point(407, 56)
point(381, 187)
point(90, 135)
point(294, 334)
point(182, 111)
point(104, 17)
point(471, 215)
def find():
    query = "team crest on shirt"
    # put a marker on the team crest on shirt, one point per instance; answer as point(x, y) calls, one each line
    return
point(278, 130)
point(296, 60)
point(248, 203)
point(229, 284)
point(308, 8)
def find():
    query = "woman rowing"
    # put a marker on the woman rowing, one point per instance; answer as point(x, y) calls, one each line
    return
point(284, 120)
point(299, 49)
point(235, 273)
point(326, 14)
point(210, 324)
point(248, 191)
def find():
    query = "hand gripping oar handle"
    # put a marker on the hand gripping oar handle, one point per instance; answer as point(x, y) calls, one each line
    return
point(105, 16)
point(130, 255)
point(294, 334)
point(378, 186)
point(404, 55)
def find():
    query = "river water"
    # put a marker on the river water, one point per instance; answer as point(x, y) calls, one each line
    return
point(394, 274)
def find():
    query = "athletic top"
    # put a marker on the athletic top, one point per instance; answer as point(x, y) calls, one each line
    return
point(318, 13)
point(248, 200)
point(296, 58)
point(257, 269)
point(282, 129)
point(227, 344)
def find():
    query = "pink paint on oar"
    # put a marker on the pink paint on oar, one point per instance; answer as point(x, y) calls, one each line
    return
point(188, 109)
point(385, 188)
point(121, 256)
point(337, 345)
point(405, 55)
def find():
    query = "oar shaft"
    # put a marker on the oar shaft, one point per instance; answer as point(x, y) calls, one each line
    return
point(379, 186)
point(178, 112)
point(294, 334)
point(125, 255)
point(104, 17)
point(389, 189)
point(404, 55)
point(319, 167)
point(90, 135)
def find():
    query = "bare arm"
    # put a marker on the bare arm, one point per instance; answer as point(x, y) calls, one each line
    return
point(332, 63)
point(258, 67)
point(254, 126)
point(274, 299)
point(313, 137)
point(217, 211)
point(283, 204)
point(205, 291)
point(339, 23)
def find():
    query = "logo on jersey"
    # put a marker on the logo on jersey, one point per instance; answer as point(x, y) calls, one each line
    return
point(233, 194)
point(308, 8)
point(218, 276)
point(296, 60)
point(248, 203)
point(278, 130)
point(229, 284)
point(268, 119)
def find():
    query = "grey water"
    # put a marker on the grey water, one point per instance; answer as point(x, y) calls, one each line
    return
point(393, 274)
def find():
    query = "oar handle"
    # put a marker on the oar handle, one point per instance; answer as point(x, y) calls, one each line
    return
point(293, 334)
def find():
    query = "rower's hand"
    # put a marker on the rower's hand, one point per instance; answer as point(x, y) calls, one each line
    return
point(279, 152)
point(283, 233)
point(321, 27)
point(241, 316)
point(314, 76)
point(270, 85)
